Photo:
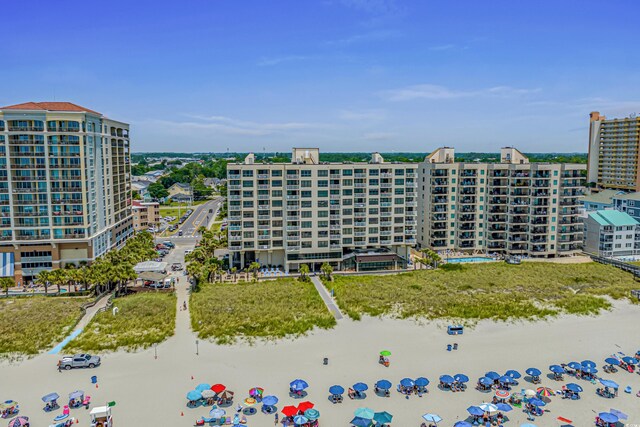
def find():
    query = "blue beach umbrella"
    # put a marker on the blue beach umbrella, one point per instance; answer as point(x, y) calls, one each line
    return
point(589, 370)
point(433, 418)
point(383, 384)
point(621, 415)
point(609, 383)
point(422, 382)
point(461, 378)
point(361, 422)
point(492, 375)
point(360, 387)
point(270, 400)
point(574, 365)
point(537, 402)
point(194, 395)
point(588, 363)
point(312, 414)
point(608, 417)
point(298, 385)
point(485, 381)
point(462, 424)
point(217, 413)
point(202, 387)
point(528, 425)
point(407, 382)
point(505, 380)
point(574, 388)
point(366, 413)
point(534, 372)
point(334, 389)
point(630, 360)
point(512, 374)
point(382, 417)
point(612, 361)
point(474, 410)
point(557, 369)
point(300, 419)
point(50, 397)
point(447, 379)
point(504, 407)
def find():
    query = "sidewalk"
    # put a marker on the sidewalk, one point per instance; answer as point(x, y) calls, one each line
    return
point(328, 301)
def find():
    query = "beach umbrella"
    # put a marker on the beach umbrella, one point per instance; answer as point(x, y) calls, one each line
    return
point(502, 394)
point(407, 382)
point(203, 386)
point(250, 401)
point(226, 395)
point(361, 422)
point(75, 395)
point(574, 388)
point(50, 397)
point(298, 385)
point(609, 383)
point(488, 407)
point(422, 382)
point(300, 419)
point(269, 400)
point(256, 391)
point(588, 363)
point(545, 391)
point(574, 365)
point(382, 417)
point(537, 402)
point(528, 425)
point(364, 413)
point(334, 389)
point(505, 380)
point(462, 424)
point(512, 374)
point(19, 421)
point(608, 417)
point(621, 415)
point(589, 370)
point(207, 394)
point(385, 353)
point(303, 406)
point(312, 414)
point(630, 360)
point(8, 404)
point(289, 411)
point(383, 384)
point(217, 413)
point(556, 369)
point(503, 407)
point(485, 381)
point(447, 379)
point(534, 372)
point(192, 395)
point(612, 361)
point(474, 410)
point(461, 378)
point(360, 387)
point(529, 392)
point(434, 418)
point(492, 375)
point(218, 388)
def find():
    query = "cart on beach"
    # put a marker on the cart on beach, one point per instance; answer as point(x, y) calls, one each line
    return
point(101, 416)
point(9, 408)
point(66, 423)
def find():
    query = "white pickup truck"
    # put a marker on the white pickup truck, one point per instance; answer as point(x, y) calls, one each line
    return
point(79, 361)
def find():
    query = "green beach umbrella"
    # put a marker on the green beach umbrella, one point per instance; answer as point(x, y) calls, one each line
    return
point(385, 353)
point(382, 417)
point(364, 413)
point(312, 414)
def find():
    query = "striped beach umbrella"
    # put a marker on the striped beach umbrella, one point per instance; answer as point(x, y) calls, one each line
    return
point(545, 391)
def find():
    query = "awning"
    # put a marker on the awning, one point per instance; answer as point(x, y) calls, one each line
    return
point(6, 264)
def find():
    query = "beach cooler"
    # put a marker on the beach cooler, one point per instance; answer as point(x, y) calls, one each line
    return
point(455, 329)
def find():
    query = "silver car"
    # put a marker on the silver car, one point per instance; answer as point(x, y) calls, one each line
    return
point(79, 361)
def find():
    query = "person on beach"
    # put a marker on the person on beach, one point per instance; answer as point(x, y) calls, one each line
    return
point(59, 367)
point(275, 422)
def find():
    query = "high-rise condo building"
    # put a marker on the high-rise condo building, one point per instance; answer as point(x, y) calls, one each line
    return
point(614, 146)
point(65, 186)
point(511, 207)
point(352, 215)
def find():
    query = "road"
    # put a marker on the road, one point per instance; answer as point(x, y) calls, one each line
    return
point(199, 217)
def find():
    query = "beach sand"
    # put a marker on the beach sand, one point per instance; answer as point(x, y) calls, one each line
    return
point(151, 391)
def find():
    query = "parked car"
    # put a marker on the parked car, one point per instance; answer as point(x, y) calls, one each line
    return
point(180, 233)
point(79, 361)
point(169, 244)
point(176, 266)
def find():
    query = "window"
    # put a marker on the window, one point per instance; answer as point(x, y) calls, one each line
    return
point(305, 173)
point(323, 193)
point(306, 214)
point(306, 204)
point(323, 224)
point(323, 183)
point(306, 183)
point(323, 172)
point(306, 224)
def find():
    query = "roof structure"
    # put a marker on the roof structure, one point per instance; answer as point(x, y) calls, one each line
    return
point(603, 197)
point(613, 218)
point(49, 106)
point(629, 196)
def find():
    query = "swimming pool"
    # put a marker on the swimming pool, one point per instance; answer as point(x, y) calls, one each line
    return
point(470, 259)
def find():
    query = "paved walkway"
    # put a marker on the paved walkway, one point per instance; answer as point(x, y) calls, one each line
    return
point(84, 321)
point(328, 301)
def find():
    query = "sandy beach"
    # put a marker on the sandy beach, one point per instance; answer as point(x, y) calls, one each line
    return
point(150, 391)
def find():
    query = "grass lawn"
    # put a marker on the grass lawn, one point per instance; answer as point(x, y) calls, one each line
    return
point(269, 309)
point(144, 319)
point(485, 291)
point(30, 325)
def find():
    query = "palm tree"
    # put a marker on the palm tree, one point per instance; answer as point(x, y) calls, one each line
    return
point(44, 278)
point(304, 271)
point(234, 271)
point(59, 278)
point(5, 284)
point(327, 270)
point(253, 269)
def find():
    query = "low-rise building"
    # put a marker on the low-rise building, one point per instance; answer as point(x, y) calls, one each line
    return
point(180, 192)
point(599, 201)
point(610, 233)
point(145, 215)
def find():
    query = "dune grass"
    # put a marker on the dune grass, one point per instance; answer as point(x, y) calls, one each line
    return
point(143, 320)
point(268, 309)
point(30, 325)
point(485, 291)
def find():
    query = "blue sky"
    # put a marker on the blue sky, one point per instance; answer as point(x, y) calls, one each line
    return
point(344, 75)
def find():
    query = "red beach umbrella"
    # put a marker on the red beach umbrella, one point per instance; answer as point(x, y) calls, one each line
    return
point(289, 411)
point(218, 388)
point(304, 406)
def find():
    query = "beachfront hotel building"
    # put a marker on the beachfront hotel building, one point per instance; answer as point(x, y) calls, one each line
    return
point(614, 147)
point(65, 186)
point(352, 215)
point(611, 233)
point(511, 207)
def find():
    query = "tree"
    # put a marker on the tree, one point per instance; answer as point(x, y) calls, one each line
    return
point(304, 272)
point(253, 269)
point(429, 258)
point(327, 270)
point(44, 278)
point(157, 191)
point(234, 271)
point(5, 284)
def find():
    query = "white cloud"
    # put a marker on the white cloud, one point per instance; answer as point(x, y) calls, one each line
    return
point(437, 92)
point(362, 115)
point(443, 47)
point(371, 36)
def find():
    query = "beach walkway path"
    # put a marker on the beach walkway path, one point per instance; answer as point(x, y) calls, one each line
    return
point(328, 300)
point(84, 321)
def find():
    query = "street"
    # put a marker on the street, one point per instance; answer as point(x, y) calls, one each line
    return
point(200, 217)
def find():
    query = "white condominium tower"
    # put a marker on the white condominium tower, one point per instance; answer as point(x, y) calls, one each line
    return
point(352, 215)
point(65, 192)
point(511, 207)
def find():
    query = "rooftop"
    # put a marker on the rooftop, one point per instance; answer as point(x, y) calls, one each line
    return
point(49, 106)
point(628, 196)
point(613, 218)
point(604, 197)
